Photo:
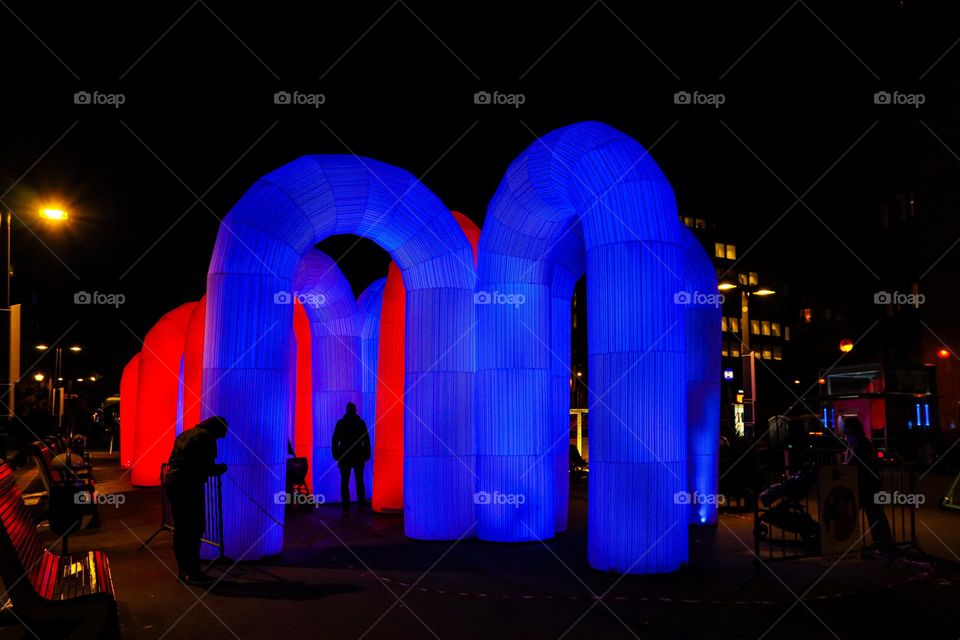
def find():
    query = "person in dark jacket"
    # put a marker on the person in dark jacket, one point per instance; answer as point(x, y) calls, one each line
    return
point(351, 449)
point(861, 454)
point(192, 461)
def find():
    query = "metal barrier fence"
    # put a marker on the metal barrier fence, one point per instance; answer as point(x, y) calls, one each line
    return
point(787, 511)
point(213, 519)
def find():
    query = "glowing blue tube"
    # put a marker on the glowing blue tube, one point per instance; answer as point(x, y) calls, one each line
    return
point(590, 176)
point(703, 314)
point(247, 375)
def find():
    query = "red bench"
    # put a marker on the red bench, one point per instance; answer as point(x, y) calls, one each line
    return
point(53, 595)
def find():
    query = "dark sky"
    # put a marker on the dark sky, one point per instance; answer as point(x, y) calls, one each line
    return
point(147, 182)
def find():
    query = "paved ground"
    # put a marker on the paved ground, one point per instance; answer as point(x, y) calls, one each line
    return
point(360, 578)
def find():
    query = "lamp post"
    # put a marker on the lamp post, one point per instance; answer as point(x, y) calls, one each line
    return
point(9, 381)
point(57, 383)
point(749, 365)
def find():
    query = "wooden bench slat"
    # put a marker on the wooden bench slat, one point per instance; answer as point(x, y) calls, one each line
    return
point(51, 576)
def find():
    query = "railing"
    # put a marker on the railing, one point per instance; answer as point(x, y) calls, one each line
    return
point(787, 513)
point(213, 519)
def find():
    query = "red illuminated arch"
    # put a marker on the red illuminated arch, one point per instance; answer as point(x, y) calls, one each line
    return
point(158, 386)
point(128, 410)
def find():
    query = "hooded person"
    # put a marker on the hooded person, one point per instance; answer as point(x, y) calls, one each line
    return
point(351, 449)
point(192, 461)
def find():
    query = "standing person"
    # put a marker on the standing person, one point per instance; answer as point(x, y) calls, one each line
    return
point(192, 461)
point(861, 453)
point(351, 449)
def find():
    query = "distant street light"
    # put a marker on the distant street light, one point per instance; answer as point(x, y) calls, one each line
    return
point(57, 390)
point(38, 377)
point(943, 354)
point(846, 345)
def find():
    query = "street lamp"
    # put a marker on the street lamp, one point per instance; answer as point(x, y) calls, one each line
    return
point(54, 214)
point(745, 294)
point(57, 391)
point(58, 214)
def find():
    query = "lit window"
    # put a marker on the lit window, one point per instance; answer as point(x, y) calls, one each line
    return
point(688, 221)
point(754, 278)
point(807, 315)
point(742, 278)
point(755, 327)
point(735, 349)
point(731, 252)
point(723, 348)
point(734, 324)
point(786, 333)
point(775, 329)
point(723, 324)
point(719, 249)
point(767, 353)
point(777, 352)
point(765, 327)
point(700, 223)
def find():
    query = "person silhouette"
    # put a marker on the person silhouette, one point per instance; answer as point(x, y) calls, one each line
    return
point(351, 449)
point(192, 461)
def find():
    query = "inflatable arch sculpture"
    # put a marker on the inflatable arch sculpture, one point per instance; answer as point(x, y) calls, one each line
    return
point(592, 176)
point(158, 388)
point(248, 338)
point(193, 365)
point(369, 306)
point(388, 448)
point(337, 366)
point(703, 315)
point(128, 410)
point(388, 494)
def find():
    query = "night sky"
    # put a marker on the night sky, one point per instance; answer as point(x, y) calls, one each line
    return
point(147, 182)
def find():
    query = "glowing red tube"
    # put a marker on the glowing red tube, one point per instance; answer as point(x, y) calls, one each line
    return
point(193, 365)
point(303, 406)
point(128, 410)
point(157, 389)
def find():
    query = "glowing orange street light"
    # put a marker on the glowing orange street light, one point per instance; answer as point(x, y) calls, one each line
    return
point(846, 345)
point(54, 214)
point(943, 354)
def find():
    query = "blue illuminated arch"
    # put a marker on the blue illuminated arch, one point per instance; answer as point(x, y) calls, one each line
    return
point(703, 316)
point(247, 352)
point(592, 179)
point(337, 368)
point(369, 305)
